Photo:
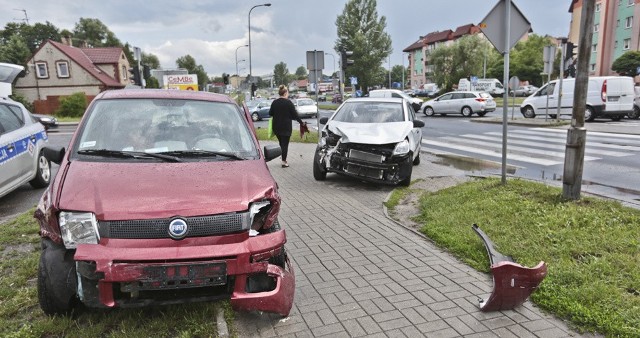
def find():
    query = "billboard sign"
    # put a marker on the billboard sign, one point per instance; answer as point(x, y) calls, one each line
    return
point(181, 82)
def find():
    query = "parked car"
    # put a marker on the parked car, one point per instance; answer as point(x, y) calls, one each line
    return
point(48, 121)
point(337, 98)
point(372, 139)
point(262, 111)
point(458, 102)
point(415, 102)
point(306, 107)
point(255, 105)
point(524, 90)
point(635, 114)
point(163, 197)
point(607, 96)
point(22, 140)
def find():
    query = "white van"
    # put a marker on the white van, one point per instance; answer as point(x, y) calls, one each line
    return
point(491, 86)
point(607, 96)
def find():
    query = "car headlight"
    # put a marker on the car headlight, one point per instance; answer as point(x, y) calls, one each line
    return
point(78, 228)
point(401, 148)
point(322, 142)
point(258, 213)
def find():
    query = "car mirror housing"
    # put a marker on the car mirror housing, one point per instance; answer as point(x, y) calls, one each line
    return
point(323, 120)
point(271, 152)
point(54, 154)
point(418, 123)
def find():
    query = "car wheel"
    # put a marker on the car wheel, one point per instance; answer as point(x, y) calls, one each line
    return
point(428, 111)
point(635, 114)
point(466, 111)
point(588, 115)
point(407, 181)
point(528, 112)
point(57, 280)
point(43, 172)
point(416, 160)
point(255, 117)
point(319, 170)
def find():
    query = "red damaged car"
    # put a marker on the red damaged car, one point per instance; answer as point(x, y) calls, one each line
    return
point(163, 197)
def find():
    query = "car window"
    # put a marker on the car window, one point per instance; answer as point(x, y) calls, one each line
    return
point(370, 112)
point(158, 125)
point(469, 96)
point(548, 89)
point(409, 108)
point(456, 96)
point(396, 95)
point(9, 120)
point(445, 97)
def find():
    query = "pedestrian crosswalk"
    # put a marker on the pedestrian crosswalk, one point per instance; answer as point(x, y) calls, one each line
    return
point(539, 146)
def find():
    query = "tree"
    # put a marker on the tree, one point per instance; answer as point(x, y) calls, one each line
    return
point(150, 60)
point(94, 33)
point(462, 59)
point(15, 51)
point(396, 73)
point(627, 64)
point(32, 36)
point(359, 30)
point(281, 74)
point(301, 73)
point(189, 63)
point(526, 59)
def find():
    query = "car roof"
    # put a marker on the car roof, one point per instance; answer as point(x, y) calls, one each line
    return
point(376, 99)
point(164, 94)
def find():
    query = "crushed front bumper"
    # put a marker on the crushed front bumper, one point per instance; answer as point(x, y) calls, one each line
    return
point(254, 272)
point(390, 171)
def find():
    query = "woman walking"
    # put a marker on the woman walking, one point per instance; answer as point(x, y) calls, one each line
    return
point(283, 112)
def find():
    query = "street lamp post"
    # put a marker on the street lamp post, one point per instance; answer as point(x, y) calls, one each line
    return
point(389, 70)
point(334, 62)
point(266, 5)
point(237, 57)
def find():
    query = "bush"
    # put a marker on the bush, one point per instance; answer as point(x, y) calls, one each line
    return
point(73, 105)
point(23, 100)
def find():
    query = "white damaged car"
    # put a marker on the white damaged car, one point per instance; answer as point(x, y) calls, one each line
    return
point(372, 139)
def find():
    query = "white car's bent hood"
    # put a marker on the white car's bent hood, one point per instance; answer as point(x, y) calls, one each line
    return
point(371, 133)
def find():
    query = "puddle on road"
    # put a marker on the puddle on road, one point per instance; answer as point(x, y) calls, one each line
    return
point(470, 164)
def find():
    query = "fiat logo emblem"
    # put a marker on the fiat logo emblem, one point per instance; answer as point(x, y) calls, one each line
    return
point(178, 228)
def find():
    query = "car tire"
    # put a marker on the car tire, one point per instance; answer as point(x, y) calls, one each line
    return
point(635, 114)
point(407, 181)
point(57, 280)
point(43, 172)
point(528, 112)
point(466, 111)
point(255, 117)
point(428, 111)
point(416, 160)
point(319, 171)
point(588, 114)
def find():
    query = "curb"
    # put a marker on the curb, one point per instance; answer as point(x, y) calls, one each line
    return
point(221, 323)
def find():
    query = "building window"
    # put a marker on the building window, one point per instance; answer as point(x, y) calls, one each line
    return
point(615, 45)
point(631, 2)
point(626, 44)
point(124, 73)
point(618, 23)
point(597, 7)
point(596, 27)
point(593, 67)
point(594, 48)
point(628, 22)
point(41, 70)
point(63, 68)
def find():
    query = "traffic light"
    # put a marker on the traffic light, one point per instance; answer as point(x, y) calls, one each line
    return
point(225, 78)
point(146, 71)
point(570, 51)
point(344, 60)
point(135, 75)
point(254, 87)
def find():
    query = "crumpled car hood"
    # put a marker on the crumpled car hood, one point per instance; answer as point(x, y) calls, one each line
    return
point(371, 133)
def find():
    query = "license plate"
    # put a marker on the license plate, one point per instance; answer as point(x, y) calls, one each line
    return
point(177, 276)
point(614, 98)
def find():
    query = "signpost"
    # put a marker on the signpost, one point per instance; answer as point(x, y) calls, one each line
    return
point(548, 56)
point(315, 63)
point(181, 82)
point(503, 27)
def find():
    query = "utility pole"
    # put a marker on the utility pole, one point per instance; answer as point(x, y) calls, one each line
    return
point(577, 134)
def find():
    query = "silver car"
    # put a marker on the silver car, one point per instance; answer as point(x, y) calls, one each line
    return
point(22, 138)
point(460, 102)
point(305, 107)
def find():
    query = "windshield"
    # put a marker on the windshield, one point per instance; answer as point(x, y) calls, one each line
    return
point(370, 112)
point(165, 125)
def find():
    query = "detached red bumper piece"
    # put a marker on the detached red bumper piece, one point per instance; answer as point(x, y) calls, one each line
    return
point(512, 282)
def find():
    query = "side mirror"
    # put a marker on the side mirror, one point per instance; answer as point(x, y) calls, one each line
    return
point(418, 123)
point(271, 151)
point(54, 155)
point(323, 120)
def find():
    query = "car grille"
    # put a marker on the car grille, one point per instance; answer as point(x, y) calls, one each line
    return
point(159, 228)
point(364, 171)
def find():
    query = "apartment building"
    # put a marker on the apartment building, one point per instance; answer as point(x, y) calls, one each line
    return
point(616, 30)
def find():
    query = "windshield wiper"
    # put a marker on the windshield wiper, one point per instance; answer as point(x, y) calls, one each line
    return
point(202, 153)
point(126, 154)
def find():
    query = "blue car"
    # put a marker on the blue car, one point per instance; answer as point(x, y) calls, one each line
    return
point(262, 112)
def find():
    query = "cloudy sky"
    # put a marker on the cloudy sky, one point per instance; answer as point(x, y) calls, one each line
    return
point(212, 30)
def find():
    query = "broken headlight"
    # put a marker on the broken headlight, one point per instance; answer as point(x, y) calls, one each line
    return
point(258, 212)
point(401, 148)
point(78, 228)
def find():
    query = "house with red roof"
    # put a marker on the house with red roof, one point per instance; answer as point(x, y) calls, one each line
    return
point(58, 69)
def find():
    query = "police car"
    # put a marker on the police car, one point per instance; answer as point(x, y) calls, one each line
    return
point(22, 139)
